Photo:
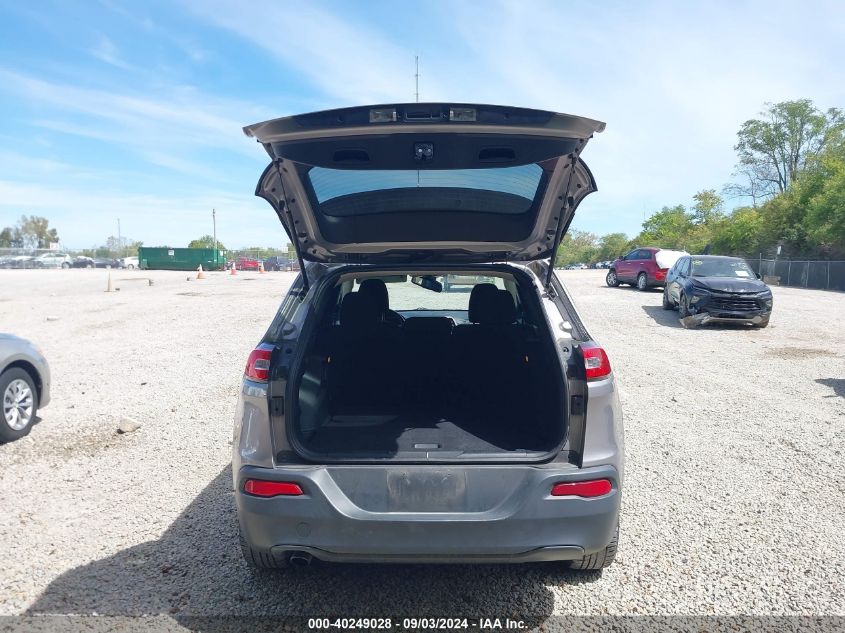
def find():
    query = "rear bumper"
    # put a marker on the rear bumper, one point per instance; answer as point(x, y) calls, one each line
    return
point(497, 514)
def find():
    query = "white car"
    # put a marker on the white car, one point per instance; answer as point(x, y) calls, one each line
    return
point(129, 262)
point(52, 260)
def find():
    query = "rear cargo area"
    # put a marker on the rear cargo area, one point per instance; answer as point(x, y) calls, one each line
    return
point(479, 384)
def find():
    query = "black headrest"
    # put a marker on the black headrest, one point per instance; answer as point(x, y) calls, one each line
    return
point(376, 289)
point(480, 300)
point(496, 308)
point(358, 310)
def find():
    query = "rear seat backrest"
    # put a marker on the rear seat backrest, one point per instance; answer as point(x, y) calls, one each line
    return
point(489, 353)
point(362, 360)
point(426, 357)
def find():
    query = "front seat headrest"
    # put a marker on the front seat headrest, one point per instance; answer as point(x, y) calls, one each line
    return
point(376, 290)
point(358, 310)
point(480, 300)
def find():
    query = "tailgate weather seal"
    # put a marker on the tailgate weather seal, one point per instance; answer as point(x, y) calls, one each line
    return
point(568, 206)
point(284, 208)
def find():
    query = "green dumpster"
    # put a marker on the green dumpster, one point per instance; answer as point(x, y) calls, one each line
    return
point(162, 258)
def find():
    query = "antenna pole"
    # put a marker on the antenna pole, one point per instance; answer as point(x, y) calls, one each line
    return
point(417, 77)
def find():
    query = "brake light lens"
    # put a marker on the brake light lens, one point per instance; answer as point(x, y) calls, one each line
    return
point(592, 488)
point(258, 363)
point(660, 275)
point(596, 362)
point(262, 488)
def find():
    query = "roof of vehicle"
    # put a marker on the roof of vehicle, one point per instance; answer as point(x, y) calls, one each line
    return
point(715, 257)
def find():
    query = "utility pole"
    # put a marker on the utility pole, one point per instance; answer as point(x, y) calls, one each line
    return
point(417, 78)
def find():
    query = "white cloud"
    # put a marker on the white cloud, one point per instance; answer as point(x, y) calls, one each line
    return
point(177, 121)
point(107, 52)
point(349, 61)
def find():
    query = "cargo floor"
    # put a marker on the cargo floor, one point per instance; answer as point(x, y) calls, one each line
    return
point(415, 432)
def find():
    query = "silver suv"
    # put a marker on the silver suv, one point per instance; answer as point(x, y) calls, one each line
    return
point(382, 419)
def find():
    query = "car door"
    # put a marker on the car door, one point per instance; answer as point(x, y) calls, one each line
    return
point(644, 263)
point(675, 285)
point(623, 266)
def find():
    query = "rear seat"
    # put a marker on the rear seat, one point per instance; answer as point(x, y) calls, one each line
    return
point(362, 356)
point(426, 355)
point(490, 352)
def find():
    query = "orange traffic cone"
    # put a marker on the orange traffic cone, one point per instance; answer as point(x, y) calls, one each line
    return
point(200, 273)
point(261, 267)
point(234, 270)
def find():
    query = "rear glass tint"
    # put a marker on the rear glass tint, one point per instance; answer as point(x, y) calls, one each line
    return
point(517, 185)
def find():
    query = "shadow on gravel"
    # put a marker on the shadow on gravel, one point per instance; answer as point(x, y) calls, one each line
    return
point(669, 318)
point(195, 570)
point(837, 384)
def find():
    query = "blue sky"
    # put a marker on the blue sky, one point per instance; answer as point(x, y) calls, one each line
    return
point(133, 110)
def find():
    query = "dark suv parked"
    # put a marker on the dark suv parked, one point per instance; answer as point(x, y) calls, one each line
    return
point(716, 288)
point(383, 419)
point(277, 263)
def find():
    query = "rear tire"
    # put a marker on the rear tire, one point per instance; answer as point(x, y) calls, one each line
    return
point(261, 559)
point(612, 280)
point(11, 382)
point(642, 282)
point(65, 265)
point(601, 559)
point(667, 303)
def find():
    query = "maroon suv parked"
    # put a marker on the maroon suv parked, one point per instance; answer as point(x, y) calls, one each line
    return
point(643, 267)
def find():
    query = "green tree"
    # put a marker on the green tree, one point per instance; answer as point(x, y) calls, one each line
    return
point(34, 232)
point(708, 207)
point(9, 237)
point(774, 149)
point(206, 241)
point(738, 233)
point(824, 203)
point(668, 228)
point(611, 246)
point(576, 247)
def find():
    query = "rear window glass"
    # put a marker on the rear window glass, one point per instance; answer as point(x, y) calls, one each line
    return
point(455, 294)
point(517, 185)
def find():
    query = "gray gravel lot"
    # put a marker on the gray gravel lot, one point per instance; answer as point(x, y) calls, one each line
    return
point(733, 501)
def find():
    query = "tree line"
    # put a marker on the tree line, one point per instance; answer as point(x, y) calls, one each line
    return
point(790, 166)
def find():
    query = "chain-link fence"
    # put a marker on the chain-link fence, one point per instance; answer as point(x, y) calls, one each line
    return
point(823, 275)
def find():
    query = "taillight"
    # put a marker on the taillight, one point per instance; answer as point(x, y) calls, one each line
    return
point(660, 275)
point(592, 488)
point(596, 361)
point(262, 488)
point(258, 363)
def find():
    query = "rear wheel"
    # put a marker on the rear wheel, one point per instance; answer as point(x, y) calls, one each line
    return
point(600, 559)
point(261, 559)
point(65, 265)
point(19, 404)
point(642, 282)
point(612, 280)
point(667, 302)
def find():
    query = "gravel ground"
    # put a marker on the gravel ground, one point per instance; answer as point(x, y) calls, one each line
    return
point(733, 501)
